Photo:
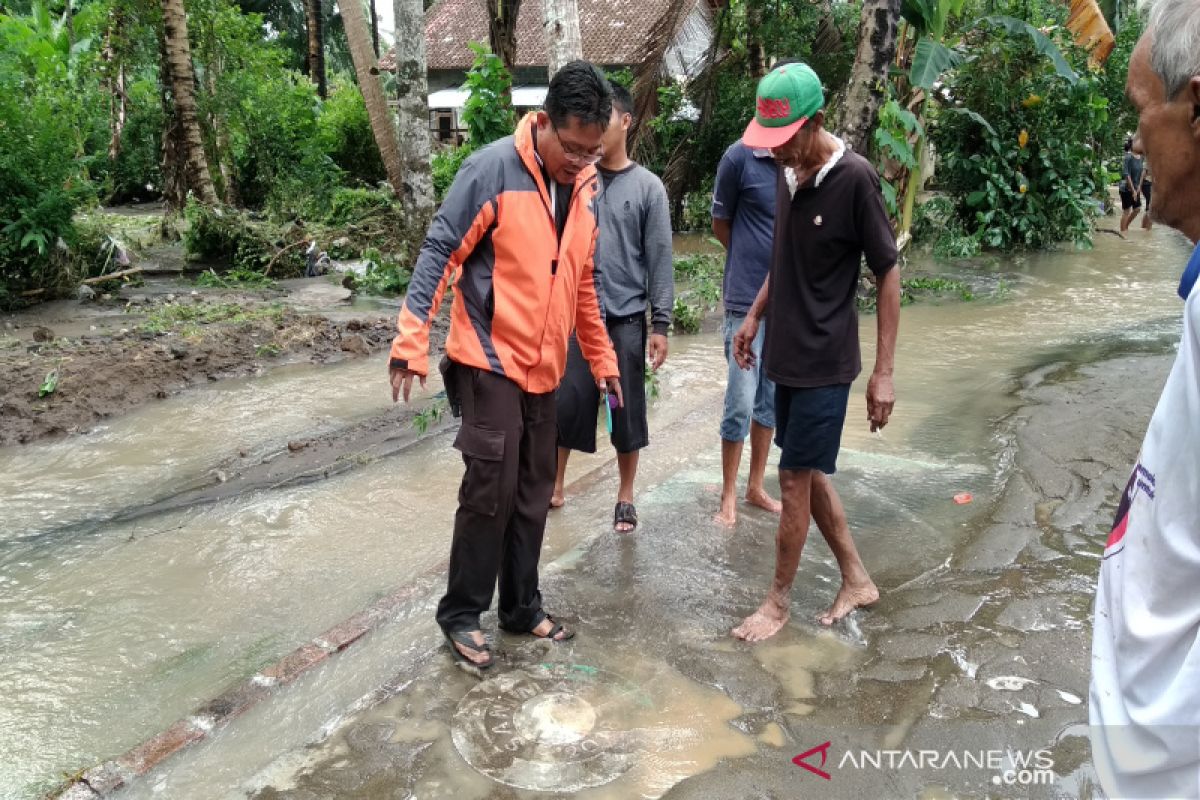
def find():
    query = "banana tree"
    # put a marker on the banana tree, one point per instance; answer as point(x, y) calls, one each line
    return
point(902, 132)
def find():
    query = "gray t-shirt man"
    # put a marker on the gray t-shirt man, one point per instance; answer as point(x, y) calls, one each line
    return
point(633, 249)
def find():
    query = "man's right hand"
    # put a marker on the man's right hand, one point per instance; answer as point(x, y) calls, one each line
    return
point(402, 382)
point(743, 342)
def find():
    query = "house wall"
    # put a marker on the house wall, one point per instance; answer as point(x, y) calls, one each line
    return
point(522, 76)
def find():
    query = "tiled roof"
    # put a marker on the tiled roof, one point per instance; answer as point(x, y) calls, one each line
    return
point(613, 32)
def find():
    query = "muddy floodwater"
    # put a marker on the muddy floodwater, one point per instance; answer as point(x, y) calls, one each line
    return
point(122, 611)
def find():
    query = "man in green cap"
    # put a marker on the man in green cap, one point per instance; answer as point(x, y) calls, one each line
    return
point(829, 216)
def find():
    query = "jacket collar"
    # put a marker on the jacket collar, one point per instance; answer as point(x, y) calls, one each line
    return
point(523, 140)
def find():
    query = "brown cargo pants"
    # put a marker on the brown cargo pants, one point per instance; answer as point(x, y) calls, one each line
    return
point(507, 441)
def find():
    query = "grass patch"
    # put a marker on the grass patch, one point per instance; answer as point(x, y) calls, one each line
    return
point(189, 318)
point(913, 289)
point(236, 278)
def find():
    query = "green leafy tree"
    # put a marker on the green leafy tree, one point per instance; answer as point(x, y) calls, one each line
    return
point(488, 111)
point(51, 126)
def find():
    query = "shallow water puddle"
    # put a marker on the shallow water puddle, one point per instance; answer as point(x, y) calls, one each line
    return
point(571, 727)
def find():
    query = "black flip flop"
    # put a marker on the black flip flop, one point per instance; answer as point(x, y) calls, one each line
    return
point(555, 629)
point(625, 513)
point(464, 638)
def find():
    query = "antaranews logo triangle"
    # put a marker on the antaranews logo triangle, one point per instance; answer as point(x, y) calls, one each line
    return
point(802, 760)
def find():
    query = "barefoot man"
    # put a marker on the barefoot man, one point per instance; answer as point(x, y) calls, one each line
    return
point(829, 216)
point(743, 220)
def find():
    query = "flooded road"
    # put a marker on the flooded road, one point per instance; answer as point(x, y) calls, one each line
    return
point(111, 631)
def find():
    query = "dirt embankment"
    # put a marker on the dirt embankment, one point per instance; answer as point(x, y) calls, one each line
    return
point(66, 366)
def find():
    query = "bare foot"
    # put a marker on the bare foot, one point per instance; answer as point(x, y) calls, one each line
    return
point(557, 500)
point(850, 597)
point(478, 657)
point(727, 516)
point(758, 497)
point(762, 624)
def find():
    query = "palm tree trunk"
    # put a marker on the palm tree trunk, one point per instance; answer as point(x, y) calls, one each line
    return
point(648, 76)
point(755, 52)
point(374, 27)
point(193, 173)
point(502, 30)
point(358, 35)
point(413, 107)
point(115, 80)
point(868, 79)
point(314, 20)
point(562, 33)
point(69, 13)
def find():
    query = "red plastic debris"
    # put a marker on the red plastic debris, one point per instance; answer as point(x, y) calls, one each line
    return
point(963, 498)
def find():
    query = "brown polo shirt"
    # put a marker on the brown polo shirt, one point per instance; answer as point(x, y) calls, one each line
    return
point(821, 237)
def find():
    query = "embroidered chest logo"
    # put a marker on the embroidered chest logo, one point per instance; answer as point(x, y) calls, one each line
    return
point(818, 221)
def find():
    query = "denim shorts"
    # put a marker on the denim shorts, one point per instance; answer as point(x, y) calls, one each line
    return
point(810, 426)
point(749, 393)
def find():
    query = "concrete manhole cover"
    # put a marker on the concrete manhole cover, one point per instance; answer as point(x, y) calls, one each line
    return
point(554, 727)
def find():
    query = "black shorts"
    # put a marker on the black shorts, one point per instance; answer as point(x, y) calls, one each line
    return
point(1128, 201)
point(808, 426)
point(578, 399)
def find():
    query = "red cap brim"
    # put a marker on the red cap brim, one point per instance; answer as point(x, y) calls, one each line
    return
point(757, 135)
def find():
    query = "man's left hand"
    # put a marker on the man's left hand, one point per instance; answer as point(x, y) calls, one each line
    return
point(658, 350)
point(881, 398)
point(613, 385)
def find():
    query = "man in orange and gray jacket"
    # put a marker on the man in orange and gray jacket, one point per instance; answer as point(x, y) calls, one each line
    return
point(515, 236)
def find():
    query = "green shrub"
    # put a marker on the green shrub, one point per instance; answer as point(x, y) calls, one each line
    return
point(686, 317)
point(45, 123)
point(351, 206)
point(344, 134)
point(699, 265)
point(446, 164)
point(936, 225)
point(385, 275)
point(224, 236)
point(1023, 165)
point(697, 207)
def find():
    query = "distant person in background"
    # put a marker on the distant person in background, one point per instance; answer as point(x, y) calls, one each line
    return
point(1144, 702)
point(1147, 186)
point(1131, 181)
point(633, 259)
point(743, 220)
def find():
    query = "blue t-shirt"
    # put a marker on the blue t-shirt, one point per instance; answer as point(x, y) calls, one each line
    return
point(745, 194)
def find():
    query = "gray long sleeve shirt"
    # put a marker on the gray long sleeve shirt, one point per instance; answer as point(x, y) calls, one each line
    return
point(633, 249)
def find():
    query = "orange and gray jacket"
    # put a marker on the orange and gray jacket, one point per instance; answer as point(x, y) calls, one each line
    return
point(518, 290)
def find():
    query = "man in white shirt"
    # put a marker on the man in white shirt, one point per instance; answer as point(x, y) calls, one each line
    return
point(1145, 692)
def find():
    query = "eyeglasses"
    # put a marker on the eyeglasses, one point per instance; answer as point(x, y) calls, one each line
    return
point(583, 159)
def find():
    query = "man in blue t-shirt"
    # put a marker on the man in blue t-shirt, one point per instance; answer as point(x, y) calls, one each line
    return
point(743, 213)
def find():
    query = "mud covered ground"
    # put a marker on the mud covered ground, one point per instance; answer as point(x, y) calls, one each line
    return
point(65, 366)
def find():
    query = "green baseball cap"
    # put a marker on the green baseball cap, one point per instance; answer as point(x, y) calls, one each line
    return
point(787, 97)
